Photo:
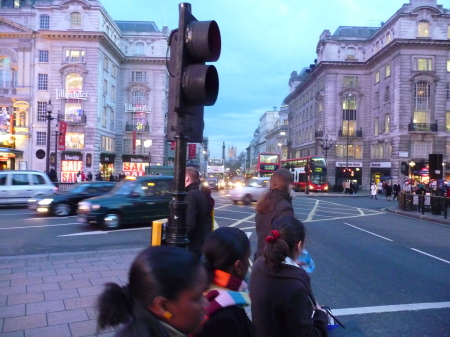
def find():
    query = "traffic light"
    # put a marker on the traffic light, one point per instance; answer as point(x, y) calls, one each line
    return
point(192, 83)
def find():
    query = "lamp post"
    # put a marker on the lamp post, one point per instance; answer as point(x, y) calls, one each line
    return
point(411, 165)
point(49, 119)
point(325, 147)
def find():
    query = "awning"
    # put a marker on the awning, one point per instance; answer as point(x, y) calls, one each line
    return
point(11, 151)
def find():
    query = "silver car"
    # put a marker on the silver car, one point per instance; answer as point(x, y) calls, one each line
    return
point(253, 189)
point(16, 187)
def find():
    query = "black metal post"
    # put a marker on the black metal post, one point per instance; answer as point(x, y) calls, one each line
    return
point(49, 119)
point(56, 151)
point(176, 233)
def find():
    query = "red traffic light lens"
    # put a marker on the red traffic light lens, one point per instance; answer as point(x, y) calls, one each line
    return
point(200, 84)
point(203, 41)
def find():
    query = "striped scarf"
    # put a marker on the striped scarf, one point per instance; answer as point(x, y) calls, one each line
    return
point(235, 293)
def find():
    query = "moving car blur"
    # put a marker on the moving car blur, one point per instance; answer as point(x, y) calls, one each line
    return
point(253, 189)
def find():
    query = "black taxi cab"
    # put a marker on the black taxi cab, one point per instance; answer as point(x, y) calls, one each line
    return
point(136, 200)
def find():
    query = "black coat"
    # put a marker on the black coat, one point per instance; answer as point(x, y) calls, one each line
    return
point(227, 322)
point(263, 223)
point(198, 222)
point(281, 305)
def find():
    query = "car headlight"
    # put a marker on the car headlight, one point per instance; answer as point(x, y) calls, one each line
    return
point(84, 206)
point(205, 183)
point(95, 207)
point(44, 202)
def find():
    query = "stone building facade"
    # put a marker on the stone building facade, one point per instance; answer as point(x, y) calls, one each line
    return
point(105, 79)
point(381, 94)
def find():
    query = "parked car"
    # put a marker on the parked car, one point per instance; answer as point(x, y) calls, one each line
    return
point(66, 203)
point(253, 189)
point(134, 200)
point(16, 187)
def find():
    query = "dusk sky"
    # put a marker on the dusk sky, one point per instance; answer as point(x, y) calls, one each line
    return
point(263, 42)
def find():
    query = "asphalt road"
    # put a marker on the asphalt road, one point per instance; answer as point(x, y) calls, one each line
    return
point(381, 273)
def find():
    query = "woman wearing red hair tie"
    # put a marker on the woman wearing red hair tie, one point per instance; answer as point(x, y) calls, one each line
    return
point(283, 303)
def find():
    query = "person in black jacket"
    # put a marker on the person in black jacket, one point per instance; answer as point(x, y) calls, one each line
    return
point(198, 222)
point(275, 202)
point(163, 297)
point(226, 255)
point(282, 300)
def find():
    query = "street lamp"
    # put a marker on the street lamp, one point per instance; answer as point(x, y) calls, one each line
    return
point(411, 165)
point(49, 119)
point(326, 146)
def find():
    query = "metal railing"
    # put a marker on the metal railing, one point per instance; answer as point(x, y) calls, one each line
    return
point(350, 133)
point(72, 119)
point(437, 205)
point(137, 127)
point(423, 127)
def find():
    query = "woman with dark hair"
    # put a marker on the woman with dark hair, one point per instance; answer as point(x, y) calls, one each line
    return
point(275, 202)
point(282, 300)
point(164, 296)
point(226, 252)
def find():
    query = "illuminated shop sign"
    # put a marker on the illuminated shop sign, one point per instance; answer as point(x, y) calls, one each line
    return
point(134, 169)
point(61, 94)
point(137, 108)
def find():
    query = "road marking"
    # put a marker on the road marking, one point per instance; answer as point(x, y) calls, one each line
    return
point(41, 226)
point(237, 223)
point(341, 217)
point(390, 308)
point(249, 234)
point(313, 211)
point(52, 217)
point(105, 232)
point(434, 257)
point(368, 232)
point(242, 228)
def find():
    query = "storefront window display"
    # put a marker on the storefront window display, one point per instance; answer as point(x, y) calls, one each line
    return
point(74, 140)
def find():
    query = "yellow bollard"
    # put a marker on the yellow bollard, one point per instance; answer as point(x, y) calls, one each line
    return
point(157, 231)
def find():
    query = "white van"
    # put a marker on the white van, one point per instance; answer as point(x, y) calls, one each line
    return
point(16, 187)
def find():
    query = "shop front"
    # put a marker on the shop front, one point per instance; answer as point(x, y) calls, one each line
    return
point(380, 171)
point(134, 165)
point(71, 164)
point(8, 159)
point(348, 171)
point(107, 165)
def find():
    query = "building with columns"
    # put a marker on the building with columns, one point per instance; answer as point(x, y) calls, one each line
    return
point(106, 81)
point(381, 94)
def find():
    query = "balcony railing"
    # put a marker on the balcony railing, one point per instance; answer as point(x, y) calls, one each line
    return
point(350, 133)
point(423, 127)
point(72, 119)
point(137, 127)
point(318, 134)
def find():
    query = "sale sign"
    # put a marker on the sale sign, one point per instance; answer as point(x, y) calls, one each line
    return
point(69, 170)
point(134, 169)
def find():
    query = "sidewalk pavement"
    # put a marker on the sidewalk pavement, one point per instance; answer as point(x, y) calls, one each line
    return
point(54, 294)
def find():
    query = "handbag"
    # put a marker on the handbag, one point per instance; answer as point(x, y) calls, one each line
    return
point(333, 322)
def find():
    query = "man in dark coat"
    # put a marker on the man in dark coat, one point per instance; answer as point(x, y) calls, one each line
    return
point(198, 222)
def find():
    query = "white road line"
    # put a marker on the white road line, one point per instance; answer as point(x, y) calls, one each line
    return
point(243, 228)
point(360, 211)
point(313, 211)
point(41, 226)
point(390, 308)
point(237, 223)
point(341, 217)
point(105, 232)
point(434, 257)
point(249, 234)
point(367, 231)
point(52, 217)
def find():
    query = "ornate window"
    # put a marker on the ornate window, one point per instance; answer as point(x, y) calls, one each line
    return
point(349, 115)
point(75, 20)
point(8, 78)
point(139, 48)
point(423, 29)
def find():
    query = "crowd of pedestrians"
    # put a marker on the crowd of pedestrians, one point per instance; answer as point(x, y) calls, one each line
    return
point(202, 291)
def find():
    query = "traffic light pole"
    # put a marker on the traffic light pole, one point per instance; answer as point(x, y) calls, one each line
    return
point(176, 233)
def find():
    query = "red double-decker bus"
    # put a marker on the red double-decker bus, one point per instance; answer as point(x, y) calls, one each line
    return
point(265, 164)
point(299, 167)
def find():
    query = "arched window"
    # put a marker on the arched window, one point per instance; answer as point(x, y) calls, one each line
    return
point(74, 82)
point(138, 97)
point(75, 20)
point(423, 29)
point(7, 75)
